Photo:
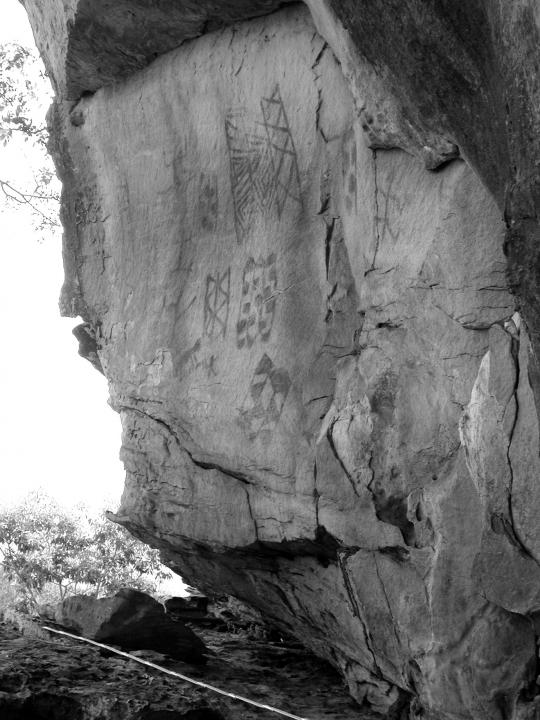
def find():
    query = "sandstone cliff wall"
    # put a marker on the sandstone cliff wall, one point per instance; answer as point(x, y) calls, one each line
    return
point(299, 294)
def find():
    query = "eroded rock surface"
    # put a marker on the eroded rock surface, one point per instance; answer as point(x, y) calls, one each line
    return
point(325, 383)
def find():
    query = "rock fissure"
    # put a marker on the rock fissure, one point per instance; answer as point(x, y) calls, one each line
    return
point(316, 495)
point(213, 466)
point(251, 514)
point(514, 534)
point(376, 217)
point(355, 607)
point(204, 465)
point(534, 688)
point(317, 79)
point(337, 457)
point(330, 224)
point(387, 600)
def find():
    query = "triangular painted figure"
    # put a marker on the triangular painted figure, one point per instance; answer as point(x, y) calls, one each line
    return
point(282, 150)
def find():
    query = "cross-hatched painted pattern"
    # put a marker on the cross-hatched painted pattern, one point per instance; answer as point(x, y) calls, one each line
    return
point(216, 304)
point(251, 172)
point(263, 163)
point(265, 399)
point(258, 301)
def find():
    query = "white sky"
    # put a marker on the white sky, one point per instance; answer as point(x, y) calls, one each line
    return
point(56, 429)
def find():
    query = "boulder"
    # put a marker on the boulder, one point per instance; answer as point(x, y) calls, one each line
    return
point(131, 619)
point(187, 607)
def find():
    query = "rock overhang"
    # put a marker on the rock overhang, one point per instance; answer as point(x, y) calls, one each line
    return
point(87, 44)
point(324, 386)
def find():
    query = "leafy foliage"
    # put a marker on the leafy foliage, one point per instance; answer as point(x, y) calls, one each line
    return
point(41, 543)
point(23, 89)
point(18, 65)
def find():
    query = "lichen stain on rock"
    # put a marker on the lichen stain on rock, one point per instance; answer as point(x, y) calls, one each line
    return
point(326, 385)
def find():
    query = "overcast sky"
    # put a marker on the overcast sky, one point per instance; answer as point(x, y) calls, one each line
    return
point(56, 429)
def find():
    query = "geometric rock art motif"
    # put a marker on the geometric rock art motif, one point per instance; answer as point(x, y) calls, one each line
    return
point(250, 171)
point(217, 299)
point(389, 206)
point(263, 163)
point(208, 364)
point(286, 178)
point(350, 171)
point(266, 396)
point(194, 358)
point(258, 302)
point(208, 201)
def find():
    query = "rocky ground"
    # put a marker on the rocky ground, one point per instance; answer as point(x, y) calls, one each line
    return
point(50, 678)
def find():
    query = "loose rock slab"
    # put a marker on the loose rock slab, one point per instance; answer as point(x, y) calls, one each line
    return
point(131, 619)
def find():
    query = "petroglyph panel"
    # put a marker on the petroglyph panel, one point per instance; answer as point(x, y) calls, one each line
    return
point(219, 224)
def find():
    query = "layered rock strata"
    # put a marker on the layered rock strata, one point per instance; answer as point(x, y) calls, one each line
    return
point(299, 295)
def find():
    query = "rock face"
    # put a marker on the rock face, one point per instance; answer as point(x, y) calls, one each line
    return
point(131, 619)
point(326, 385)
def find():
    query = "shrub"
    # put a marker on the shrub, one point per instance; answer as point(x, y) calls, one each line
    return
point(46, 550)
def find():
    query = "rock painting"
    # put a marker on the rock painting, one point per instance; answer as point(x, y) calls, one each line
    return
point(350, 159)
point(258, 301)
point(249, 171)
point(208, 201)
point(209, 365)
point(217, 298)
point(266, 396)
point(195, 359)
point(286, 178)
point(388, 208)
point(263, 163)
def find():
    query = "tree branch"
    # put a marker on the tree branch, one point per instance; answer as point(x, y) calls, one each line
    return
point(22, 198)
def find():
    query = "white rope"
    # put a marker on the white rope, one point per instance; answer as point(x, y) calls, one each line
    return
point(178, 675)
